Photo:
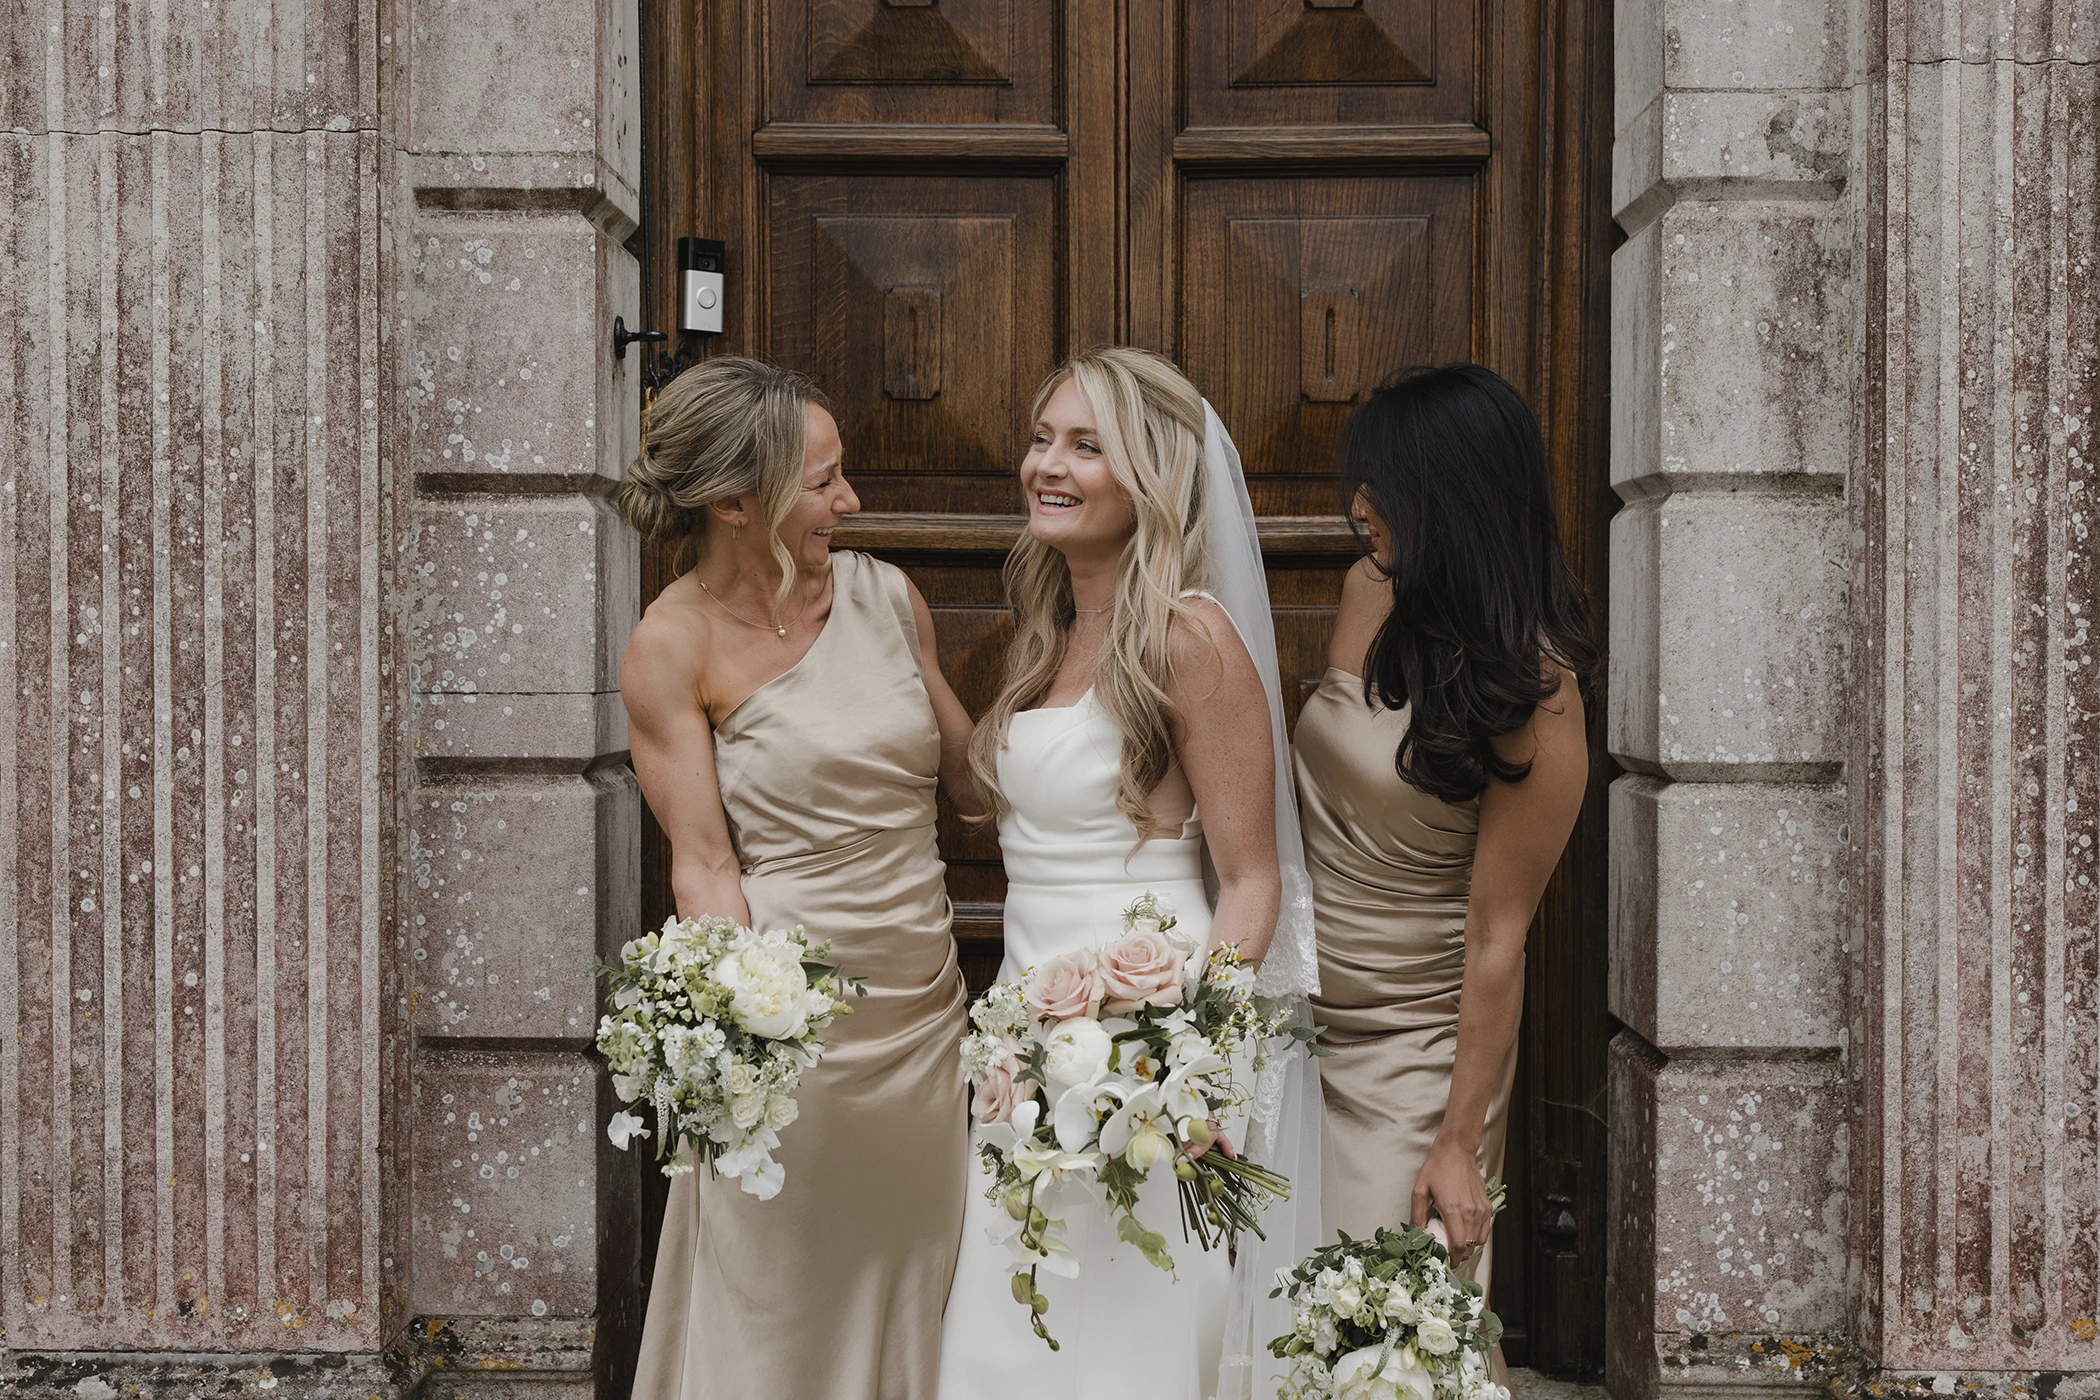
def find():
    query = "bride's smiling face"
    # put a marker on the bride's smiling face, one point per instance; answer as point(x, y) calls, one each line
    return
point(1074, 503)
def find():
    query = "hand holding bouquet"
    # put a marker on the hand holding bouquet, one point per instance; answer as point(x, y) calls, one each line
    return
point(1387, 1319)
point(712, 1026)
point(1099, 1068)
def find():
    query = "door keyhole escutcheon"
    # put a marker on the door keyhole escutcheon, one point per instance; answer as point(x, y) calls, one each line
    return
point(1327, 344)
point(911, 342)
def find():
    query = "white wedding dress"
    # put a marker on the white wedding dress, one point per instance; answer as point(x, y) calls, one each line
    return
point(1124, 1327)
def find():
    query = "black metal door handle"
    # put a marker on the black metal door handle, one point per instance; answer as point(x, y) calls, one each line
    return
point(623, 337)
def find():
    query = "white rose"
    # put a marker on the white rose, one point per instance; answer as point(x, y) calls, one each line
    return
point(1358, 1376)
point(1399, 1307)
point(1075, 1052)
point(1348, 1298)
point(1436, 1336)
point(741, 1079)
point(766, 983)
point(747, 1110)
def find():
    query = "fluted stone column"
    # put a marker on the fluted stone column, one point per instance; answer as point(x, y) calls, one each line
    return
point(203, 1146)
point(311, 806)
point(1735, 370)
point(1977, 1174)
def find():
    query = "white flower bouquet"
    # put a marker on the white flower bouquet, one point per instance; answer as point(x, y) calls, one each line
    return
point(1101, 1067)
point(712, 1026)
point(1387, 1319)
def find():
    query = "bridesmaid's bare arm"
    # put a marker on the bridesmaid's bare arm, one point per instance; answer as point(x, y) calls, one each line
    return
point(673, 746)
point(1367, 599)
point(1223, 741)
point(1523, 829)
point(954, 720)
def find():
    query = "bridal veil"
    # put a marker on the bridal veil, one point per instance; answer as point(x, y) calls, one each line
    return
point(1284, 1126)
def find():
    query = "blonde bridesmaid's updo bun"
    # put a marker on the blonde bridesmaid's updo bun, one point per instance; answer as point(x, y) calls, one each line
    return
point(727, 427)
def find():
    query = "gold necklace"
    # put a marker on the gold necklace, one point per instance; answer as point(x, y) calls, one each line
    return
point(781, 628)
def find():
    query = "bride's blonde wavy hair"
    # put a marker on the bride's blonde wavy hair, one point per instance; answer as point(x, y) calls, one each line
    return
point(1150, 420)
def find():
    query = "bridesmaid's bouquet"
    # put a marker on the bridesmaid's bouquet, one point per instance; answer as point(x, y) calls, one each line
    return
point(1101, 1067)
point(1387, 1319)
point(712, 1026)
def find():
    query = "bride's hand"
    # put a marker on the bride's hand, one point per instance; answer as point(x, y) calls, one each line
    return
point(1451, 1184)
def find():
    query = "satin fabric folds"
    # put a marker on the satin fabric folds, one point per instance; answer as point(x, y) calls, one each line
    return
point(1392, 870)
point(834, 1289)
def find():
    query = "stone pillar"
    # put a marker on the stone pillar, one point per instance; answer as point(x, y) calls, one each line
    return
point(1735, 353)
point(201, 1014)
point(520, 171)
point(1978, 1085)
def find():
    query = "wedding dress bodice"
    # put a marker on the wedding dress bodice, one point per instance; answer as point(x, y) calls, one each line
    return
point(1073, 859)
point(1073, 863)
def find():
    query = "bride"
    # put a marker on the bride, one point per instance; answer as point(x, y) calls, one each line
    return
point(1136, 746)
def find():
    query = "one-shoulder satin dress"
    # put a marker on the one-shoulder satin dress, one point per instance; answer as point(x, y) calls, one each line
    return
point(833, 1290)
point(1392, 869)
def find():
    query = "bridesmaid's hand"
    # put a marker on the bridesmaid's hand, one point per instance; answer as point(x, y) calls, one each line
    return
point(1450, 1183)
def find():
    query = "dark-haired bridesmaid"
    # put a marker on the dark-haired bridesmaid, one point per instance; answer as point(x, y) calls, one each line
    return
point(1441, 764)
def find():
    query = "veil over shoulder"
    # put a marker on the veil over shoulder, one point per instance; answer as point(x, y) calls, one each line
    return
point(1284, 1127)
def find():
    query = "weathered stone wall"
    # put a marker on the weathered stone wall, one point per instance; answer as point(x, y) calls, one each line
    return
point(1977, 1085)
point(520, 171)
point(1736, 353)
point(311, 816)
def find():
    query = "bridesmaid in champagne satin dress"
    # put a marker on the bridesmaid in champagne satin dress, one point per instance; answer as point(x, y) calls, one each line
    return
point(792, 754)
point(1441, 764)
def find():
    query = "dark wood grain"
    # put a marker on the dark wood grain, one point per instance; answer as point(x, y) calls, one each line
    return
point(1412, 149)
point(830, 144)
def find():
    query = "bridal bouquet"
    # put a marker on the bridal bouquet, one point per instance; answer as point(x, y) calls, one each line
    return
point(1387, 1319)
point(712, 1026)
point(1101, 1067)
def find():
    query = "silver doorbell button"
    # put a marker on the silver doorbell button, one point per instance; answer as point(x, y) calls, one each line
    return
point(700, 263)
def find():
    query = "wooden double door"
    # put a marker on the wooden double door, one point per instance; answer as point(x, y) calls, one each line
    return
point(927, 204)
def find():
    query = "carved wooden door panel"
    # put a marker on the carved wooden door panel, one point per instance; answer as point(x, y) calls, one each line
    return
point(928, 203)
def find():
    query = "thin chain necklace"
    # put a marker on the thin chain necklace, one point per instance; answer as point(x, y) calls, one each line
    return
point(781, 628)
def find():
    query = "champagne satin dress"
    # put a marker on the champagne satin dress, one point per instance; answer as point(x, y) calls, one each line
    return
point(1392, 869)
point(833, 1290)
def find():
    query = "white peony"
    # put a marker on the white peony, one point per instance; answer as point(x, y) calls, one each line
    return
point(765, 981)
point(1359, 1376)
point(1436, 1336)
point(1075, 1052)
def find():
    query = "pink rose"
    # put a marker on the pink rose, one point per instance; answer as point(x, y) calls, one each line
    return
point(997, 1095)
point(1066, 986)
point(1140, 969)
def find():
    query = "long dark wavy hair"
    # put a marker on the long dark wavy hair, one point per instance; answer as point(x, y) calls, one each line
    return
point(1452, 460)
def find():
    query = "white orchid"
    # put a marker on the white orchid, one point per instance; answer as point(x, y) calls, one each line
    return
point(1141, 1130)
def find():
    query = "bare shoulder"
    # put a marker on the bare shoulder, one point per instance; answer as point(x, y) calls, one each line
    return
point(1204, 650)
point(1367, 597)
point(666, 656)
point(1558, 731)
